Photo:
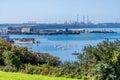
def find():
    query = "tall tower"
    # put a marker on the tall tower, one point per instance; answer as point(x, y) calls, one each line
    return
point(83, 19)
point(77, 18)
point(87, 19)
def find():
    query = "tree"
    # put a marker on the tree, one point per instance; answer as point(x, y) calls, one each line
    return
point(10, 59)
point(101, 61)
point(4, 46)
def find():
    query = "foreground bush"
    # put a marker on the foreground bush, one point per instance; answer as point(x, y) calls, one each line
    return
point(101, 62)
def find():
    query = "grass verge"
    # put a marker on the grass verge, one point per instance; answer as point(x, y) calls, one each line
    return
point(22, 76)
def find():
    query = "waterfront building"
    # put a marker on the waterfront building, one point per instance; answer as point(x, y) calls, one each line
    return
point(24, 41)
point(14, 30)
point(3, 35)
point(26, 30)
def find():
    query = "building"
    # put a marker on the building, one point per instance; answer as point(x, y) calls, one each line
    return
point(24, 41)
point(14, 30)
point(3, 35)
point(26, 30)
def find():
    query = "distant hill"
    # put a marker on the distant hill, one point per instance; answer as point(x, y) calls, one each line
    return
point(63, 26)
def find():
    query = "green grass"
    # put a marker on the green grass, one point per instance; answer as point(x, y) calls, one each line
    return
point(22, 76)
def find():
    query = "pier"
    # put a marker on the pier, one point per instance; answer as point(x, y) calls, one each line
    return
point(29, 31)
point(102, 31)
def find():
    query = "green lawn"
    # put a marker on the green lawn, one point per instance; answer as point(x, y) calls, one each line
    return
point(22, 76)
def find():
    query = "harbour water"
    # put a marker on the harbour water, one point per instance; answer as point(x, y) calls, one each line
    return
point(63, 46)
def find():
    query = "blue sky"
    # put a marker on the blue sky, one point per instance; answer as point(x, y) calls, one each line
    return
point(58, 11)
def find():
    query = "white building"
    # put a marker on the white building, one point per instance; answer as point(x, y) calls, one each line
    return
point(24, 41)
point(25, 30)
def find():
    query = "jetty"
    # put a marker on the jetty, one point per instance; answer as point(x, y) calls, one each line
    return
point(102, 31)
point(29, 31)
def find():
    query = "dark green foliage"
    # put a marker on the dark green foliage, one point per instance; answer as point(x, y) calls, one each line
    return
point(70, 69)
point(16, 57)
point(101, 62)
point(10, 69)
point(10, 59)
point(4, 47)
point(34, 58)
point(41, 69)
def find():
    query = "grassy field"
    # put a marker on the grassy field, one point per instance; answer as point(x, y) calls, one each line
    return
point(22, 76)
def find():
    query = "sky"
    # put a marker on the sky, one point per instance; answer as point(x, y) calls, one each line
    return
point(59, 11)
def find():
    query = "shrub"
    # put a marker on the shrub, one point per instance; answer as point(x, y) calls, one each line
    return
point(10, 59)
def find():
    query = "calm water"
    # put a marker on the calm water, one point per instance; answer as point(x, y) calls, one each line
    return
point(63, 46)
